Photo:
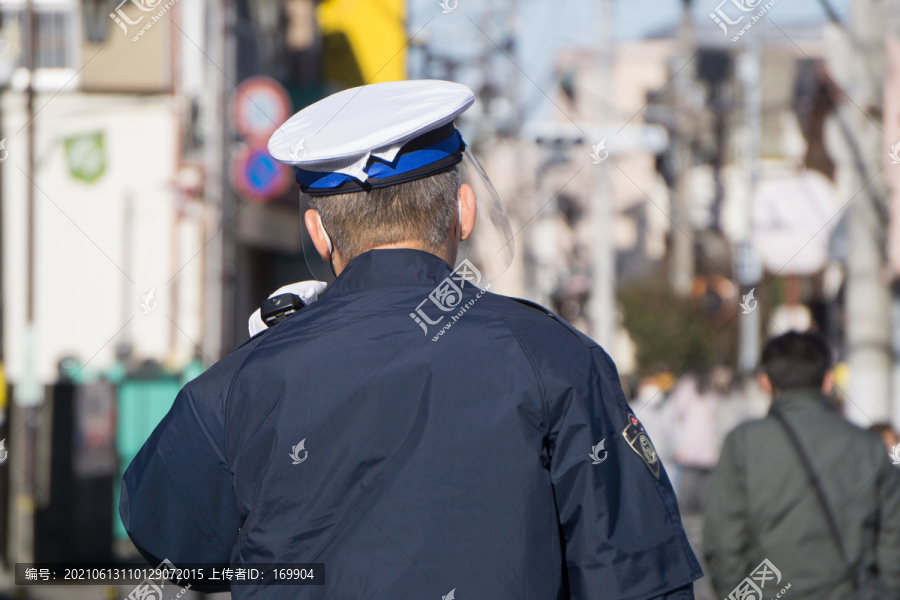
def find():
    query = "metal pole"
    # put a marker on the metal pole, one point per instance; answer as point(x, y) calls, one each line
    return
point(27, 395)
point(602, 307)
point(892, 132)
point(681, 266)
point(29, 110)
point(748, 271)
point(867, 293)
point(229, 199)
point(214, 188)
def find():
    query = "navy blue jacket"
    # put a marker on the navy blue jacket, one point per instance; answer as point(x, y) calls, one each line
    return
point(477, 445)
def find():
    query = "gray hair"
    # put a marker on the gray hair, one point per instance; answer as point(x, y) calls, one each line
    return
point(422, 210)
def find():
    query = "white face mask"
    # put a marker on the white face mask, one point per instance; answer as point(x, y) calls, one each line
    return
point(327, 243)
point(325, 233)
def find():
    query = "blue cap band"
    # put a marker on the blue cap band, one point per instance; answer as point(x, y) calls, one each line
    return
point(418, 158)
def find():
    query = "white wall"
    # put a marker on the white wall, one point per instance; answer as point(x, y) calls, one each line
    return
point(87, 295)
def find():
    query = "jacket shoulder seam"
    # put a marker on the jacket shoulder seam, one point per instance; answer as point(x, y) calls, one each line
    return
point(237, 371)
point(565, 325)
point(539, 382)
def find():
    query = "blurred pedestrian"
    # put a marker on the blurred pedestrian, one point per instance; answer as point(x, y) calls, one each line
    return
point(695, 404)
point(802, 497)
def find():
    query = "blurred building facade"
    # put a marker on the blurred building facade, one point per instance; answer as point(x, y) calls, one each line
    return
point(145, 249)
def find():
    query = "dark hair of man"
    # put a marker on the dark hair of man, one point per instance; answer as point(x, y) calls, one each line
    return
point(422, 210)
point(796, 360)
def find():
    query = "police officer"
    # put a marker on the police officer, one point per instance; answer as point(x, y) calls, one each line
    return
point(492, 457)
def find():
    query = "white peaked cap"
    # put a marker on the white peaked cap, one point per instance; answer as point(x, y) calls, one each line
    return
point(340, 133)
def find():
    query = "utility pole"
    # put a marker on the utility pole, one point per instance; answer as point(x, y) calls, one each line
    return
point(892, 137)
point(681, 253)
point(747, 264)
point(601, 309)
point(218, 200)
point(27, 394)
point(867, 293)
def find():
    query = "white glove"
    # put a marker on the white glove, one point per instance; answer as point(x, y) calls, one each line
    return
point(307, 290)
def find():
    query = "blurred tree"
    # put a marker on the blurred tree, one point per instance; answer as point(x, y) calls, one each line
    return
point(670, 332)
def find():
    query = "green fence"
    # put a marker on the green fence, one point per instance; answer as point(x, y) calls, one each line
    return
point(142, 403)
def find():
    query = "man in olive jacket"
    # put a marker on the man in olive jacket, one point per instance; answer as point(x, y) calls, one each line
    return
point(765, 529)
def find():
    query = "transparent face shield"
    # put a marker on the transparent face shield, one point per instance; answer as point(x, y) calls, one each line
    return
point(489, 249)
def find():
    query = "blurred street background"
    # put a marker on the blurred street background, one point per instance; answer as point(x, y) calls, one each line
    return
point(684, 177)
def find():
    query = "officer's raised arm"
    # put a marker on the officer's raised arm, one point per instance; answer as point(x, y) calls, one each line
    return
point(617, 512)
point(177, 498)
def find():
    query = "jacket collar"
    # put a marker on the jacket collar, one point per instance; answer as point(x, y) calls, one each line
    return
point(389, 268)
point(800, 398)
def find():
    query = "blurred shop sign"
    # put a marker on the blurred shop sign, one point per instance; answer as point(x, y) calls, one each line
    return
point(632, 139)
point(257, 176)
point(86, 156)
point(793, 216)
point(95, 430)
point(260, 105)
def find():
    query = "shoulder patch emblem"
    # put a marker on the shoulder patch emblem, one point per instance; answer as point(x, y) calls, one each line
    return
point(636, 437)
